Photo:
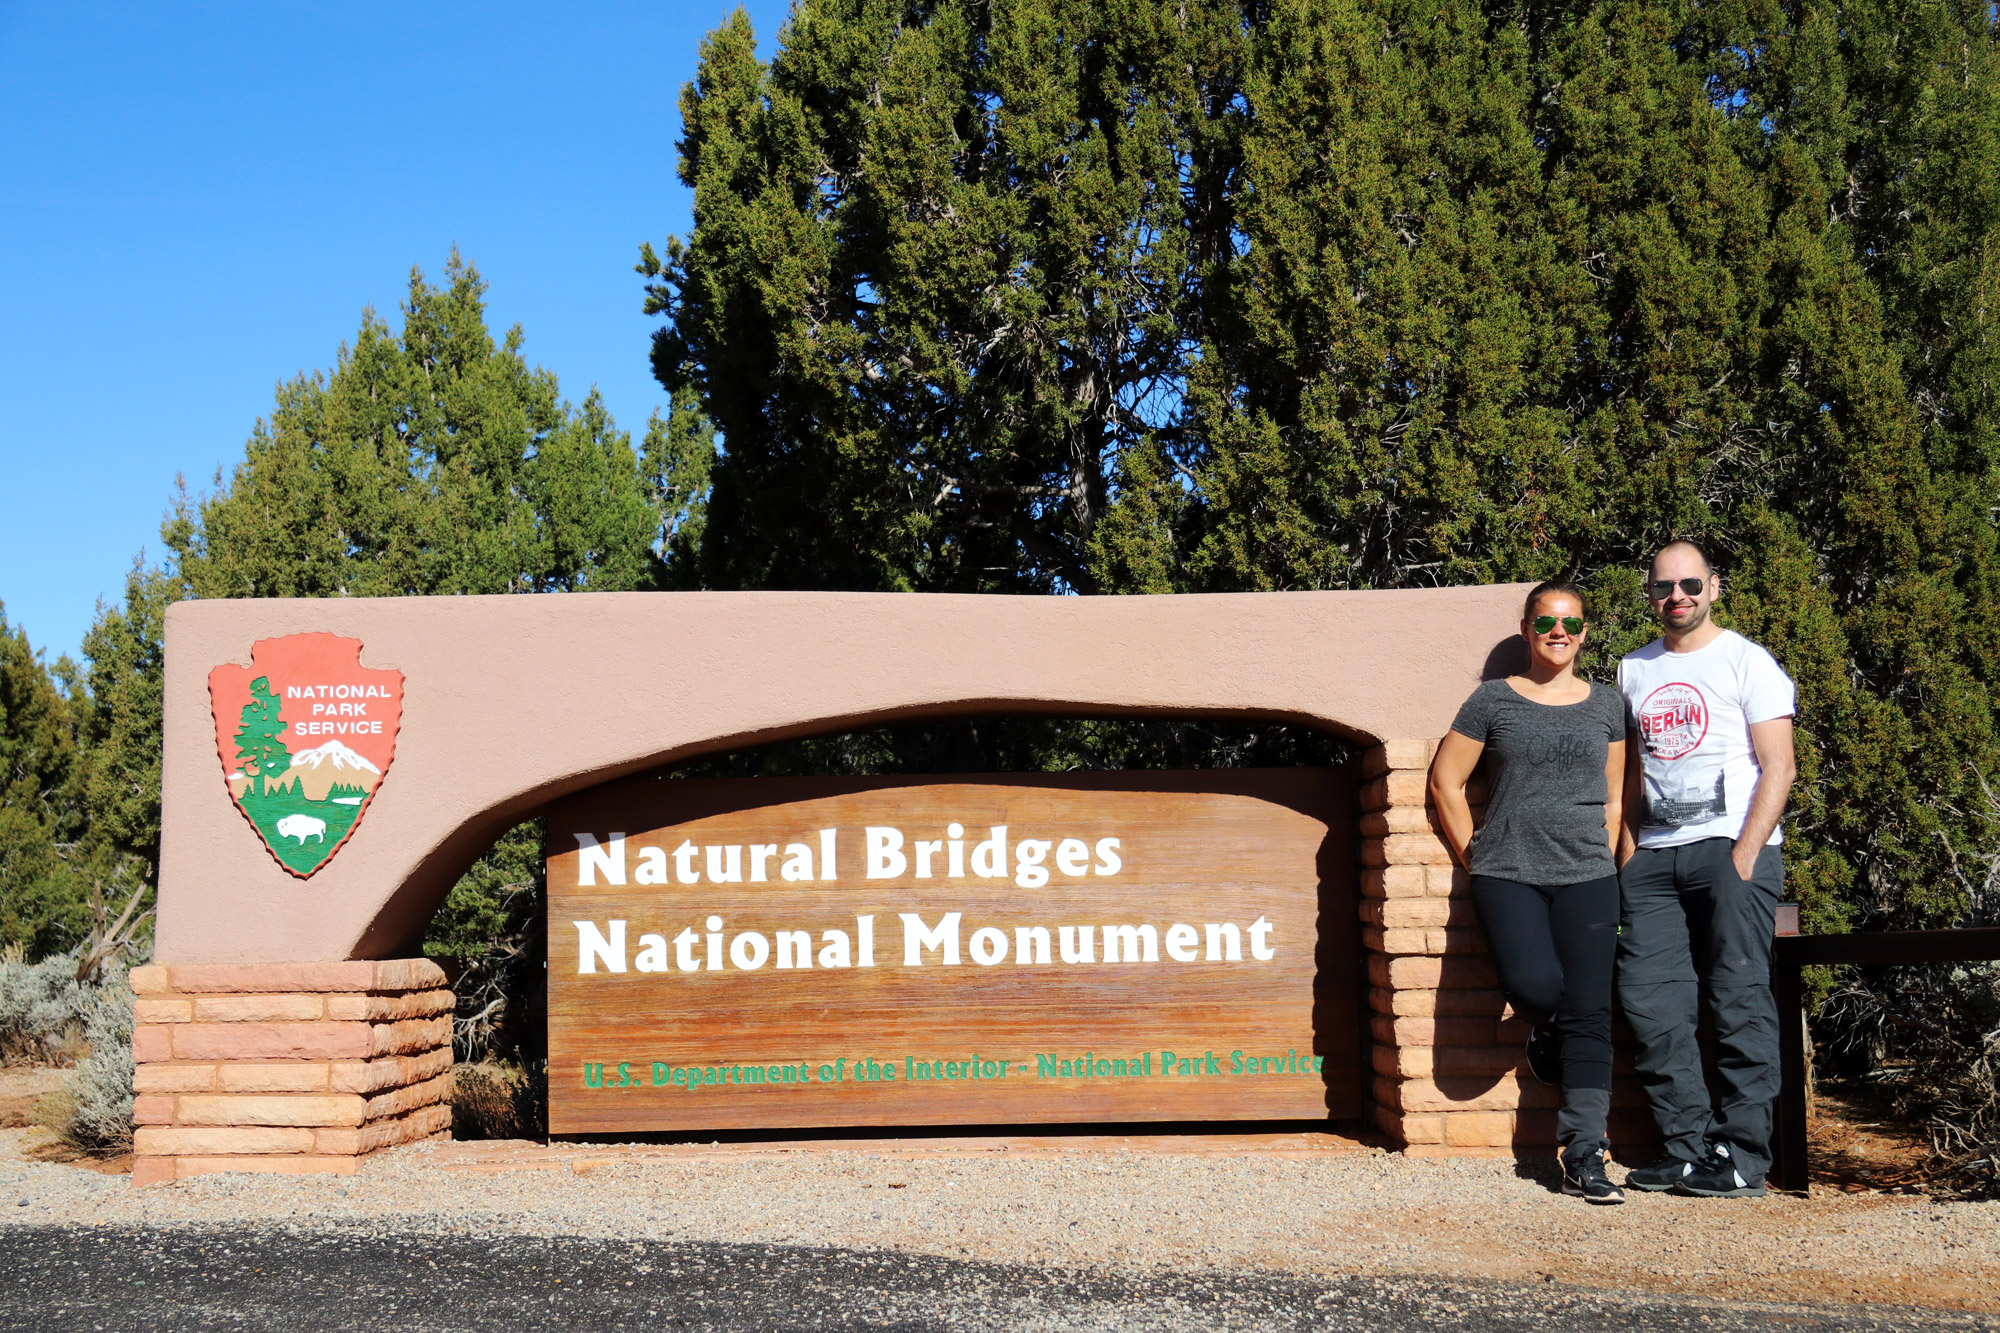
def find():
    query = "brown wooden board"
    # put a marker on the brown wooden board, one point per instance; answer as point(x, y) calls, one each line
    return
point(989, 1040)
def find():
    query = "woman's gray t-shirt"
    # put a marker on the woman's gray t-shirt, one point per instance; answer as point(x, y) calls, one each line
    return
point(1545, 799)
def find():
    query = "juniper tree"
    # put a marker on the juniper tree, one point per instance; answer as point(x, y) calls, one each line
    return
point(41, 889)
point(431, 459)
point(1138, 297)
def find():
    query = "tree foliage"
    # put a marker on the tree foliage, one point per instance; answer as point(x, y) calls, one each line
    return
point(40, 822)
point(432, 459)
point(1165, 295)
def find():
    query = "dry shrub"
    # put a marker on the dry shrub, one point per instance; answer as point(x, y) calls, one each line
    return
point(490, 1101)
point(43, 1010)
point(1929, 1037)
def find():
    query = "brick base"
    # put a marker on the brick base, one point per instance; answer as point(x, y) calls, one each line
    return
point(286, 1067)
point(1449, 1059)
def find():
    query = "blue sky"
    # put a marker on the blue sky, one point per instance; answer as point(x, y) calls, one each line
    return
point(201, 199)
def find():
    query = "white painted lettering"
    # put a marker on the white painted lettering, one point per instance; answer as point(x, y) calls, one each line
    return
point(749, 950)
point(917, 937)
point(593, 948)
point(988, 946)
point(795, 949)
point(652, 953)
point(1259, 950)
point(1122, 944)
point(989, 858)
point(885, 853)
point(594, 858)
point(726, 868)
point(1029, 872)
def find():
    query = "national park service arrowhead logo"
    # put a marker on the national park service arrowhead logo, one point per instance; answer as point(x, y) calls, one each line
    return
point(306, 735)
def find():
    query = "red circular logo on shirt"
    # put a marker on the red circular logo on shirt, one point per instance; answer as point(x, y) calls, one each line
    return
point(1673, 720)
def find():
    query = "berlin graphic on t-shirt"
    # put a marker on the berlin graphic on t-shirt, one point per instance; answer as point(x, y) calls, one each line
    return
point(306, 735)
point(1693, 712)
point(1673, 722)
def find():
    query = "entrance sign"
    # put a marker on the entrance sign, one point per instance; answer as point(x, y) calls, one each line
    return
point(1003, 949)
point(306, 735)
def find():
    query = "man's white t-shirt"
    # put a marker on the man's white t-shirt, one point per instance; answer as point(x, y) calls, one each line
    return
point(1693, 713)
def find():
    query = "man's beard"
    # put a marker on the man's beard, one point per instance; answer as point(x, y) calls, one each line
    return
point(1696, 620)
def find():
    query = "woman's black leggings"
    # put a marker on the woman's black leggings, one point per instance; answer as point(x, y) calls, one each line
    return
point(1554, 947)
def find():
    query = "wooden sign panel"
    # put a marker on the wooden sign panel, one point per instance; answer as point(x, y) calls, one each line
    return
point(1009, 949)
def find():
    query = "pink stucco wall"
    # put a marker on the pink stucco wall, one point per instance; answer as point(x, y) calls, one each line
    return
point(511, 701)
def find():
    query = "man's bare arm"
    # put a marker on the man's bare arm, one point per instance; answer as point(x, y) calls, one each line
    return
point(1778, 767)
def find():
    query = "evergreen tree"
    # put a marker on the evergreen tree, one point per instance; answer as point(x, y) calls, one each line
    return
point(1389, 293)
point(936, 281)
point(259, 747)
point(432, 459)
point(41, 890)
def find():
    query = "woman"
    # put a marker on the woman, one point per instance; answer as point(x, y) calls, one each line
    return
point(1544, 875)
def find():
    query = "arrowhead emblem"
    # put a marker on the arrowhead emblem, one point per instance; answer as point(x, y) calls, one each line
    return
point(306, 735)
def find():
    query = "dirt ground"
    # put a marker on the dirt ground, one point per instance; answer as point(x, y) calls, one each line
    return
point(1302, 1203)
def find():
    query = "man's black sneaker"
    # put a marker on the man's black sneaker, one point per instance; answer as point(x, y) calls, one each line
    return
point(1545, 1056)
point(1661, 1175)
point(1716, 1176)
point(1584, 1178)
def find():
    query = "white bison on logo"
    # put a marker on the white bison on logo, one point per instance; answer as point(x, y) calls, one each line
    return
point(302, 827)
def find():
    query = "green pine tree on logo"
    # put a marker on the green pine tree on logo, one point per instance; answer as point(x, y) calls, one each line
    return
point(258, 745)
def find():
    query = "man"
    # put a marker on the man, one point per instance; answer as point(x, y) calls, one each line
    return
point(1708, 770)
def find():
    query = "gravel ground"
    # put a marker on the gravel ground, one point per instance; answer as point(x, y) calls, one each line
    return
point(305, 1281)
point(1127, 1219)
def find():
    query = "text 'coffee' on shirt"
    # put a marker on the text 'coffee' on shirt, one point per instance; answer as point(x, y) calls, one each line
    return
point(1546, 790)
point(1693, 712)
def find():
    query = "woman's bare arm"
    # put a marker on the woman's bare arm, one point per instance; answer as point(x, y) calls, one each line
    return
point(1635, 801)
point(1457, 756)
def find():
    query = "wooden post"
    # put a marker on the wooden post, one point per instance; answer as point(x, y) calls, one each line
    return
point(1788, 1167)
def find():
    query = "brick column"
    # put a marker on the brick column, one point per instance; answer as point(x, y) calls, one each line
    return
point(286, 1066)
point(1447, 1048)
point(1451, 1072)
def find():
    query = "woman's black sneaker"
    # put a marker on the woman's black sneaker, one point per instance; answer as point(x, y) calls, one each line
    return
point(1716, 1176)
point(1545, 1055)
point(1584, 1178)
point(1661, 1175)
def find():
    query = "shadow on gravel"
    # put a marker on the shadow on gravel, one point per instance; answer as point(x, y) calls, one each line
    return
point(303, 1281)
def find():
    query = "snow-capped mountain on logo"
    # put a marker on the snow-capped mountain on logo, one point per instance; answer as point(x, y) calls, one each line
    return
point(331, 765)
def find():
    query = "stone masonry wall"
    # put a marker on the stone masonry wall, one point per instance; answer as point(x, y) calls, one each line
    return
point(1450, 1073)
point(286, 1066)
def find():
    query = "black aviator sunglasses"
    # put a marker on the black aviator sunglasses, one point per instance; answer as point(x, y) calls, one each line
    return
point(1662, 589)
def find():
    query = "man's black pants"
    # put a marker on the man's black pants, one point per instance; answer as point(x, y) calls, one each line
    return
point(1691, 922)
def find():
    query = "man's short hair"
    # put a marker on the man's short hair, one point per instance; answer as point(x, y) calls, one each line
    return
point(1681, 543)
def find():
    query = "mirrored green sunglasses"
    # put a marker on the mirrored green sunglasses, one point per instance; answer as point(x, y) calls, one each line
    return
point(1573, 624)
